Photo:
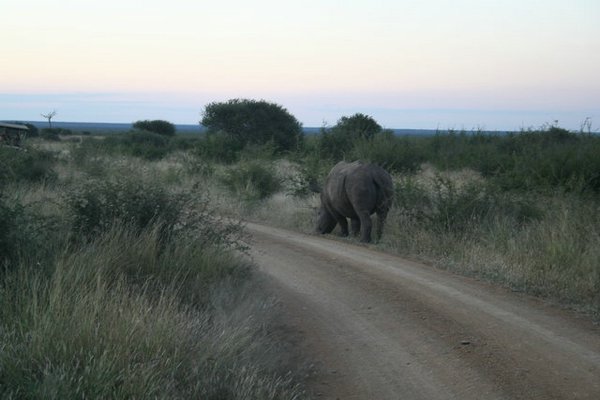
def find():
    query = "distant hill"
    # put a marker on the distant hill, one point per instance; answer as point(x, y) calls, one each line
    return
point(107, 128)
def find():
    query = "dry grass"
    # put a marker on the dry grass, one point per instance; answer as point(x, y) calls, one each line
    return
point(554, 256)
point(129, 314)
point(132, 342)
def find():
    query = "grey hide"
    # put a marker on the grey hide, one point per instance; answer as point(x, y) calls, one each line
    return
point(356, 191)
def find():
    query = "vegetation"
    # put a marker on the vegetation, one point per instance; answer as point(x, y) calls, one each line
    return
point(253, 180)
point(156, 126)
point(253, 122)
point(31, 166)
point(49, 117)
point(118, 279)
point(338, 141)
point(520, 209)
point(129, 244)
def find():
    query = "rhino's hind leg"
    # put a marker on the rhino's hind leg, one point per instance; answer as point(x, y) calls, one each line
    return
point(381, 215)
point(343, 223)
point(343, 226)
point(355, 226)
point(365, 226)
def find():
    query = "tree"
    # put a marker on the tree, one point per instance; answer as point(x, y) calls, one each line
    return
point(49, 117)
point(357, 126)
point(335, 142)
point(253, 122)
point(161, 127)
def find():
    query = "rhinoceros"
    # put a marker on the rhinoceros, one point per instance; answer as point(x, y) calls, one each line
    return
point(355, 190)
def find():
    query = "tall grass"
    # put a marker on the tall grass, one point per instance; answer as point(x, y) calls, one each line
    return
point(32, 165)
point(88, 331)
point(252, 180)
point(548, 246)
point(543, 240)
point(127, 285)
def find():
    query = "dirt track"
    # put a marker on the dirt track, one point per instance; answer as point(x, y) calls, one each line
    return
point(381, 327)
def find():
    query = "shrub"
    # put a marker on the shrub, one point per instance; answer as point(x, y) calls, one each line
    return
point(219, 147)
point(448, 208)
point(357, 126)
point(146, 145)
point(337, 142)
point(333, 146)
point(139, 203)
point(393, 153)
point(156, 126)
point(30, 166)
point(12, 236)
point(544, 159)
point(310, 177)
point(24, 234)
point(253, 179)
point(553, 159)
point(96, 205)
point(50, 135)
point(254, 122)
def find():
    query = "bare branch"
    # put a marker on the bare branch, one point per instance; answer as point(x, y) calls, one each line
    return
point(49, 117)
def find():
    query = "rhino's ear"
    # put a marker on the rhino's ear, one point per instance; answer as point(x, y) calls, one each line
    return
point(314, 187)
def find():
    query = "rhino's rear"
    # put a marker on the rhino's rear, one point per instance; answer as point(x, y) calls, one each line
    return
point(357, 190)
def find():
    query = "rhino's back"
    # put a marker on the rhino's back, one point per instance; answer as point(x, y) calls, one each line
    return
point(353, 186)
point(334, 195)
point(369, 187)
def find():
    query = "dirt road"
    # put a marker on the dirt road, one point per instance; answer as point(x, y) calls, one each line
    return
point(381, 327)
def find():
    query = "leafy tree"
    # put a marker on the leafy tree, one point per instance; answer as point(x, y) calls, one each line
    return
point(253, 122)
point(358, 126)
point(341, 138)
point(157, 126)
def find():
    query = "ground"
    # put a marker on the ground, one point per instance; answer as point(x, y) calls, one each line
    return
point(371, 325)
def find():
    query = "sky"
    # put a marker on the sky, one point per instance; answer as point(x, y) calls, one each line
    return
point(428, 64)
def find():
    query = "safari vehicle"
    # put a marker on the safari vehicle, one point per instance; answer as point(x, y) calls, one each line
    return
point(12, 134)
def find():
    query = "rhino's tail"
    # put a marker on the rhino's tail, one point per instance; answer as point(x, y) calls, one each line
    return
point(385, 189)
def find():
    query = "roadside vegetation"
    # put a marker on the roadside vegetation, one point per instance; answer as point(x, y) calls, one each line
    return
point(123, 272)
point(119, 279)
point(520, 209)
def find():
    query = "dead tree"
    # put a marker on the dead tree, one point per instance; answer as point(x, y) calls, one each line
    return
point(49, 117)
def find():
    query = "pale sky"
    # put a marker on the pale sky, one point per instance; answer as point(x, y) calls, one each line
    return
point(504, 65)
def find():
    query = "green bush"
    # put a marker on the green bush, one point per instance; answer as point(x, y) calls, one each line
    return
point(357, 126)
point(14, 235)
point(96, 205)
point(87, 157)
point(24, 234)
point(395, 154)
point(156, 126)
point(146, 145)
point(254, 122)
point(218, 147)
point(333, 146)
point(311, 174)
point(337, 142)
point(255, 180)
point(452, 209)
point(544, 159)
point(553, 159)
point(29, 166)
